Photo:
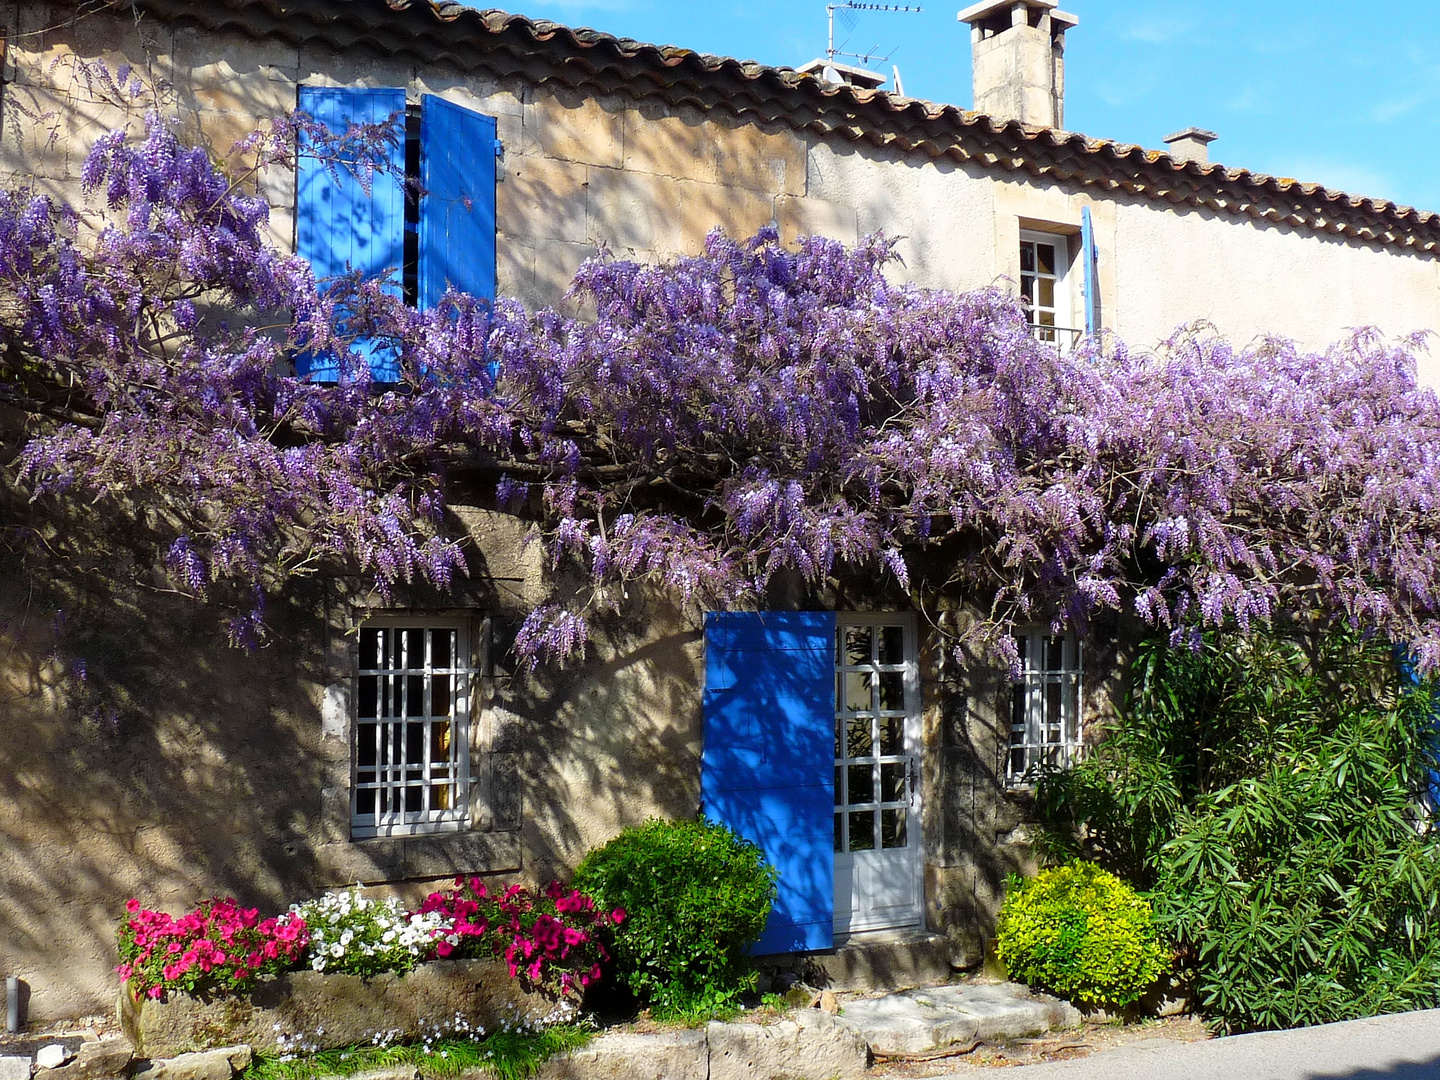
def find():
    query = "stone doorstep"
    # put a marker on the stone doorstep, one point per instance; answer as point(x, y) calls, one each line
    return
point(937, 1019)
point(881, 960)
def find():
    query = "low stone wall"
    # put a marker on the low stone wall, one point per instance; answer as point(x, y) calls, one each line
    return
point(305, 1010)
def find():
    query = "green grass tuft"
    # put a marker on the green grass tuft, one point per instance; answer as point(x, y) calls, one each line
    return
point(506, 1055)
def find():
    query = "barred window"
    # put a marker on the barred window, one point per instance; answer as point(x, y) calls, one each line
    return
point(412, 729)
point(1045, 705)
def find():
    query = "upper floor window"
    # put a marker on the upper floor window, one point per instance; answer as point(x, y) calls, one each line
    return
point(427, 220)
point(412, 728)
point(1045, 287)
point(1045, 705)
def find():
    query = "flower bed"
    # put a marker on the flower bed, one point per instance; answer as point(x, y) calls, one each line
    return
point(309, 1011)
point(467, 962)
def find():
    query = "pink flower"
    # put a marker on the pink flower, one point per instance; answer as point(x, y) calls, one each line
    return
point(132, 905)
point(444, 949)
point(617, 916)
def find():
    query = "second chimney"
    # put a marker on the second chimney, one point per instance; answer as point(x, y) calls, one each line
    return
point(1018, 52)
point(1192, 144)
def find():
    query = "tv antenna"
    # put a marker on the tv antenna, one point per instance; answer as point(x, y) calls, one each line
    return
point(847, 18)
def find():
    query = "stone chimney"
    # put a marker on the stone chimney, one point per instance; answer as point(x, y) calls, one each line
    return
point(1192, 144)
point(1018, 51)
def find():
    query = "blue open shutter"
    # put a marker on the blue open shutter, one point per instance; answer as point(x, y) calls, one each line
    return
point(457, 201)
point(339, 227)
point(768, 767)
point(1091, 284)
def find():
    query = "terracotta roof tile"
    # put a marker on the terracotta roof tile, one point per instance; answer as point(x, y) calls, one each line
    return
point(543, 52)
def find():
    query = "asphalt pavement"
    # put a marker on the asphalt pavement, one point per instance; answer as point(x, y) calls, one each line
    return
point(1402, 1047)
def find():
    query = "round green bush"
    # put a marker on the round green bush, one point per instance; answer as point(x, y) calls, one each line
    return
point(694, 895)
point(1081, 933)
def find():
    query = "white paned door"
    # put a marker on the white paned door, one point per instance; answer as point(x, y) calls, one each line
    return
point(878, 870)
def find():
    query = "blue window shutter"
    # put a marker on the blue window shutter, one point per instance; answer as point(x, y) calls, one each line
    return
point(768, 767)
point(457, 201)
point(1410, 676)
point(339, 227)
point(1092, 279)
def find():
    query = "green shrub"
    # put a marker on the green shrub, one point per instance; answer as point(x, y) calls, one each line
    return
point(694, 895)
point(1082, 933)
point(1268, 791)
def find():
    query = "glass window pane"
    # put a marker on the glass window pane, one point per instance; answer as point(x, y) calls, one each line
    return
point(892, 735)
point(414, 648)
point(857, 645)
point(369, 698)
point(440, 695)
point(440, 797)
point(1053, 698)
point(1047, 292)
point(892, 781)
point(441, 647)
point(440, 742)
point(414, 800)
point(839, 787)
point(839, 738)
point(414, 743)
point(365, 802)
point(389, 751)
point(892, 689)
point(839, 839)
point(365, 745)
point(892, 645)
point(1027, 257)
point(369, 650)
point(414, 695)
point(858, 742)
point(862, 830)
point(1027, 290)
point(1055, 654)
point(892, 828)
point(855, 695)
point(861, 785)
point(1046, 318)
point(1045, 258)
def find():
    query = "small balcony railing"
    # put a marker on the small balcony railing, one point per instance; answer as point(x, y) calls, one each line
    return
point(1062, 337)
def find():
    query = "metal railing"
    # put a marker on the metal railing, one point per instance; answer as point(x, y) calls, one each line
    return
point(1062, 337)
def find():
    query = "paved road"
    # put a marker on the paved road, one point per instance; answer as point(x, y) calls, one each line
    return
point(1403, 1047)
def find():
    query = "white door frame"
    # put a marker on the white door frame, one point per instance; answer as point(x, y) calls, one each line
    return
point(878, 888)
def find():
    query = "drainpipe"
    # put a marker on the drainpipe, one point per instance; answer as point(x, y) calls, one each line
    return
point(12, 1005)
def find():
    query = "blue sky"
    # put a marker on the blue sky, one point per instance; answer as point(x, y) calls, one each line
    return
point(1321, 91)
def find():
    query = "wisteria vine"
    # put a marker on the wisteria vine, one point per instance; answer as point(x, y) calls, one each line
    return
point(709, 424)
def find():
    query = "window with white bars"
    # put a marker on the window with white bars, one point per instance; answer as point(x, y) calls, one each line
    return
point(412, 729)
point(1045, 705)
point(1045, 287)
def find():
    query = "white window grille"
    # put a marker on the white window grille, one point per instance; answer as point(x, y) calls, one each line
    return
point(1045, 705)
point(412, 729)
point(1045, 287)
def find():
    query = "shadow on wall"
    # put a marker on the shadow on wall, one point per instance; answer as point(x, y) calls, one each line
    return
point(144, 757)
point(608, 744)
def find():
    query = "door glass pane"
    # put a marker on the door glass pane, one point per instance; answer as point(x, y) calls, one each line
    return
point(892, 735)
point(859, 744)
point(892, 645)
point(839, 787)
point(892, 689)
point(856, 691)
point(892, 828)
point(862, 784)
point(839, 738)
point(862, 830)
point(857, 646)
point(892, 781)
point(839, 838)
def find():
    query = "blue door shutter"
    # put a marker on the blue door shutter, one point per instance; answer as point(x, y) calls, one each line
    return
point(768, 767)
point(1091, 283)
point(457, 201)
point(339, 227)
point(1410, 676)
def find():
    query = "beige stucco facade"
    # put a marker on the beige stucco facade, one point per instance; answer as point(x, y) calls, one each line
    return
point(230, 773)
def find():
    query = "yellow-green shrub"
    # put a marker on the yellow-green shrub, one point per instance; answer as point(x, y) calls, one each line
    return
point(1082, 933)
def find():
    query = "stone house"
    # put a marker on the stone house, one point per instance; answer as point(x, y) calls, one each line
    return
point(392, 745)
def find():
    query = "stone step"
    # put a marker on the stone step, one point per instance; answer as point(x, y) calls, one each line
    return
point(887, 960)
point(955, 1018)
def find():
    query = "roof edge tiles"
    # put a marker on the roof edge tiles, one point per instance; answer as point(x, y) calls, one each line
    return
point(542, 52)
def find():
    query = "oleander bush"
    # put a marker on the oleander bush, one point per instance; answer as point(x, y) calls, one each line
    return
point(695, 894)
point(1273, 793)
point(1082, 933)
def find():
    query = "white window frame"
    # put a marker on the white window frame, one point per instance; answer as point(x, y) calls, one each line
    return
point(1061, 312)
point(392, 781)
point(1039, 736)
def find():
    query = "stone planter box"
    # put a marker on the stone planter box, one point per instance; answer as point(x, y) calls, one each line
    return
point(326, 1011)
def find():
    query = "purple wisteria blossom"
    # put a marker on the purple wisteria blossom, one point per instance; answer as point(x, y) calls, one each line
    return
point(711, 423)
